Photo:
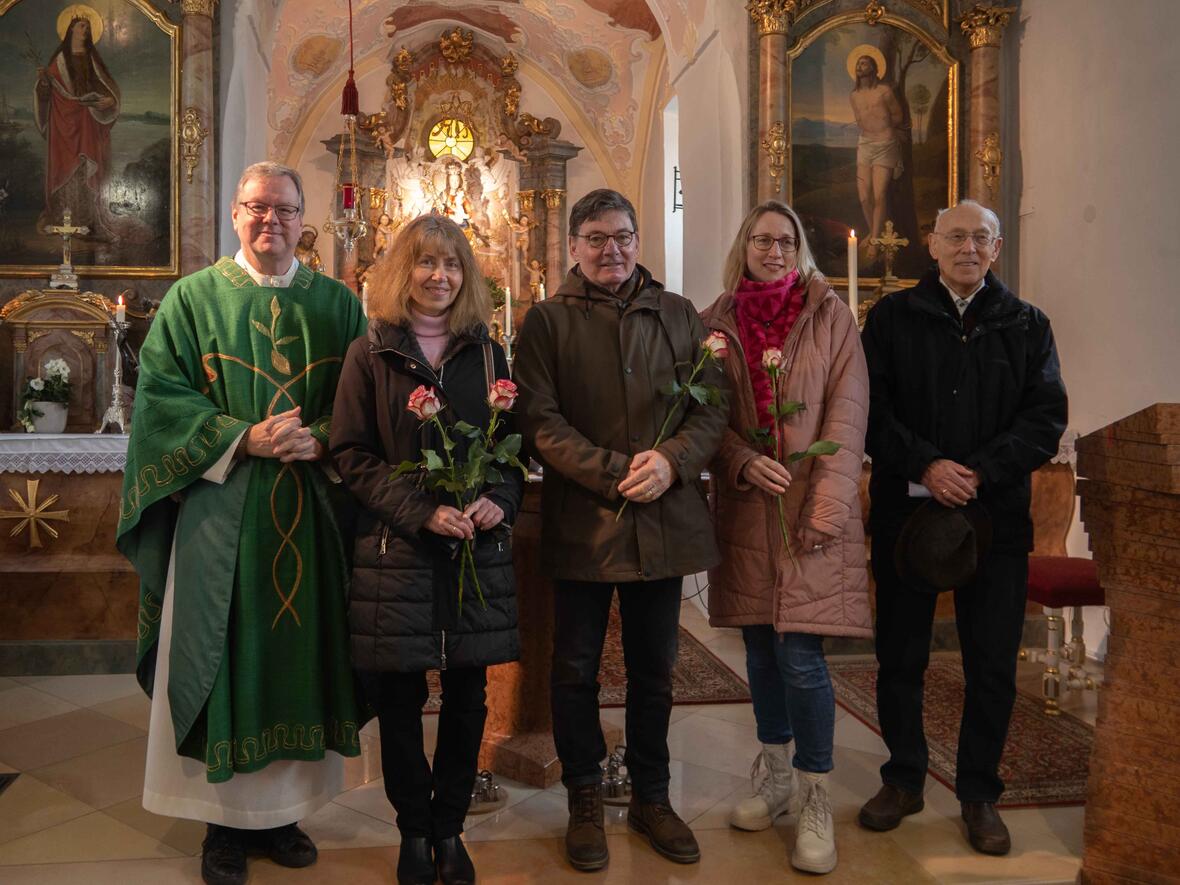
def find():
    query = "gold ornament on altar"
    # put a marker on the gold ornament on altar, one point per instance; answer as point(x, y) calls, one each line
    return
point(192, 136)
point(512, 100)
point(32, 515)
point(991, 157)
point(508, 65)
point(874, 12)
point(404, 60)
point(451, 137)
point(64, 277)
point(775, 145)
point(890, 244)
point(456, 45)
point(305, 250)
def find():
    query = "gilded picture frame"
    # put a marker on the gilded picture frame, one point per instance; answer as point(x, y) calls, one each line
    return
point(89, 119)
point(856, 145)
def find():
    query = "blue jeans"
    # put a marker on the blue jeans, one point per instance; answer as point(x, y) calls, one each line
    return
point(792, 693)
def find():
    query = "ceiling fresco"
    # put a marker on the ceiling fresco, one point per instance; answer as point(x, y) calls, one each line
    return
point(608, 58)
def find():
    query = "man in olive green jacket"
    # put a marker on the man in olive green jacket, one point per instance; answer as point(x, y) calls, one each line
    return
point(590, 363)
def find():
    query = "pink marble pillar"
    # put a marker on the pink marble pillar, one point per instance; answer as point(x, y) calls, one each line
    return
point(555, 246)
point(773, 125)
point(198, 138)
point(984, 26)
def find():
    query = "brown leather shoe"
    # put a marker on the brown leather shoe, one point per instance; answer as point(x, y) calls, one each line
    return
point(985, 831)
point(585, 838)
point(885, 810)
point(667, 833)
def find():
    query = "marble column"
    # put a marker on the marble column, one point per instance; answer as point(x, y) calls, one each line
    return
point(543, 179)
point(772, 18)
point(198, 110)
point(984, 26)
point(555, 237)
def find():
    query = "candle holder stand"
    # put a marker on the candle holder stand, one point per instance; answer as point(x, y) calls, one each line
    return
point(115, 415)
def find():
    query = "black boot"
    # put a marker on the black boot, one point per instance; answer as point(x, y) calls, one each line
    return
point(454, 863)
point(223, 856)
point(415, 861)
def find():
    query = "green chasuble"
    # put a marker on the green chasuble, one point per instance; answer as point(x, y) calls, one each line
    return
point(259, 666)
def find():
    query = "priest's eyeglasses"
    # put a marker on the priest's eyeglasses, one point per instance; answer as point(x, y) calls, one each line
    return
point(763, 242)
point(598, 240)
point(957, 238)
point(285, 211)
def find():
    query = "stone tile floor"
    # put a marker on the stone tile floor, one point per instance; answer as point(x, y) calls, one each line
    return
point(74, 814)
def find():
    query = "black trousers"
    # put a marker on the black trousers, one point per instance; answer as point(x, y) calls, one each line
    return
point(989, 615)
point(429, 803)
point(650, 613)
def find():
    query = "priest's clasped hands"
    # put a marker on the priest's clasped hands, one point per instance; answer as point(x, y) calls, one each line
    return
point(283, 436)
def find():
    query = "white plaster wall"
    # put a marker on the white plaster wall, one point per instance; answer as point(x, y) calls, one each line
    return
point(712, 130)
point(1100, 206)
point(673, 221)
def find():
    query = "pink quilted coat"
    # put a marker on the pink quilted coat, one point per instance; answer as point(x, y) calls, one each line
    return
point(756, 582)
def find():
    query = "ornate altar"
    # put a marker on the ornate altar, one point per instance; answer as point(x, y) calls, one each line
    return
point(63, 585)
point(451, 138)
point(40, 325)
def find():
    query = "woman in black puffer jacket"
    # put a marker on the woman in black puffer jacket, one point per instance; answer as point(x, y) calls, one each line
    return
point(428, 327)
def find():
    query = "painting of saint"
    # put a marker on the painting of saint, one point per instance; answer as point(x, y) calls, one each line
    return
point(91, 91)
point(77, 103)
point(873, 117)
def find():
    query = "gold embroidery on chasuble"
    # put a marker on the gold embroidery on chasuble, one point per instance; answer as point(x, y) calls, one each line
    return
point(288, 550)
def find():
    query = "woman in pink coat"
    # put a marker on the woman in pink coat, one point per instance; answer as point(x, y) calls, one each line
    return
point(776, 299)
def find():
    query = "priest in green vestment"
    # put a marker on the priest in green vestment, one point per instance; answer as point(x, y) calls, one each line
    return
point(232, 521)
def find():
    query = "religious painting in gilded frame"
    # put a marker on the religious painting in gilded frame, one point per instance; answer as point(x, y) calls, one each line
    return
point(89, 94)
point(874, 129)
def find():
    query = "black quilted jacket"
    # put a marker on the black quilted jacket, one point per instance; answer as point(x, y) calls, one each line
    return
point(404, 614)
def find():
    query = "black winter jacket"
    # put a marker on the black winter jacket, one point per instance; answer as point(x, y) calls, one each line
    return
point(984, 390)
point(403, 603)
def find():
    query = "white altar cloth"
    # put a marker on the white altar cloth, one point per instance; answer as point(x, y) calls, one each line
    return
point(62, 452)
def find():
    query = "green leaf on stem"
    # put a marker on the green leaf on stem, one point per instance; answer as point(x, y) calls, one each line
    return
point(433, 461)
point(761, 436)
point(404, 468)
point(464, 429)
point(672, 388)
point(493, 476)
point(815, 450)
point(509, 447)
point(700, 393)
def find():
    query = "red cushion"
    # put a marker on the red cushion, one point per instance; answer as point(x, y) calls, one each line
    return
point(1060, 581)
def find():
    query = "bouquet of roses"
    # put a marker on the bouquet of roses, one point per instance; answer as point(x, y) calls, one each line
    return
point(772, 438)
point(485, 456)
point(714, 347)
point(53, 388)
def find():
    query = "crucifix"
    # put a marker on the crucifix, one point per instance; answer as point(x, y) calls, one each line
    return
point(890, 244)
point(65, 278)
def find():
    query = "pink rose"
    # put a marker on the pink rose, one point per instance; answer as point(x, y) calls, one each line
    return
point(502, 396)
point(717, 345)
point(423, 403)
point(772, 359)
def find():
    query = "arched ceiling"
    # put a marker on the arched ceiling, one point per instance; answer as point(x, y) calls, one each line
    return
point(609, 58)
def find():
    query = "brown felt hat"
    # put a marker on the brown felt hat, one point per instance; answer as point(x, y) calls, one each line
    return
point(940, 548)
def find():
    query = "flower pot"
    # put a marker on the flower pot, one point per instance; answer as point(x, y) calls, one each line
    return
point(53, 416)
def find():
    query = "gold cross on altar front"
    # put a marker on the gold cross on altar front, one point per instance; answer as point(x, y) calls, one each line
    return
point(890, 244)
point(32, 515)
point(65, 230)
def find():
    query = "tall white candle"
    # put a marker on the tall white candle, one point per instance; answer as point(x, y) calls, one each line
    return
point(541, 293)
point(365, 297)
point(852, 274)
point(120, 311)
point(507, 311)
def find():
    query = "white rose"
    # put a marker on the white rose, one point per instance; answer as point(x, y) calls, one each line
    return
point(37, 384)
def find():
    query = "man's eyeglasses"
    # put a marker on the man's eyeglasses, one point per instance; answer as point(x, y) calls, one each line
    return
point(763, 242)
point(597, 241)
point(284, 211)
point(958, 238)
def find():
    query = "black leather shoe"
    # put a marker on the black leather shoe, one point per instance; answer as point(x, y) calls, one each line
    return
point(223, 856)
point(415, 861)
point(453, 861)
point(885, 810)
point(289, 846)
point(985, 831)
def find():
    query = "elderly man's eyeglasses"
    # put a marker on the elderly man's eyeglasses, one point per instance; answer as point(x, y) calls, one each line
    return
point(597, 240)
point(958, 238)
point(285, 211)
point(763, 242)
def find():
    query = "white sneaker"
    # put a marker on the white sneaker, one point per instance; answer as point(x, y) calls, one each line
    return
point(772, 797)
point(815, 833)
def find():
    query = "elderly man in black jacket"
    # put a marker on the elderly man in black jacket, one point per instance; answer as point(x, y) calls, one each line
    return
point(966, 401)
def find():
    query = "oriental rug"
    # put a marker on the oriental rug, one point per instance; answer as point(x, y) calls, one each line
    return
point(700, 677)
point(1046, 758)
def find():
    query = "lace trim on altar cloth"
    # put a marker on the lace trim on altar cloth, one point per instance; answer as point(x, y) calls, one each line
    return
point(62, 453)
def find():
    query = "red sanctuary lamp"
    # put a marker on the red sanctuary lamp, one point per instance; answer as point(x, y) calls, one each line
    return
point(349, 225)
